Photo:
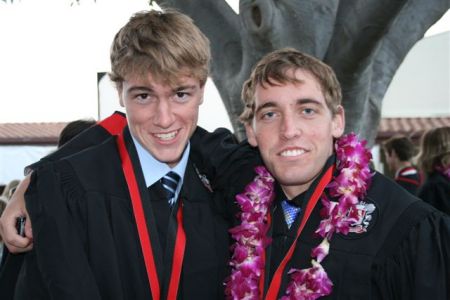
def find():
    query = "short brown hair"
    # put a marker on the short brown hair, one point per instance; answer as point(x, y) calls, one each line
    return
point(434, 149)
point(164, 43)
point(402, 146)
point(275, 67)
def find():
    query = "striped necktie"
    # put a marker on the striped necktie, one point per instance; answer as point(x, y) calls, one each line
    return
point(290, 212)
point(170, 183)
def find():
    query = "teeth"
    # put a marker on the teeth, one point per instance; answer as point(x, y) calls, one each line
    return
point(166, 136)
point(289, 153)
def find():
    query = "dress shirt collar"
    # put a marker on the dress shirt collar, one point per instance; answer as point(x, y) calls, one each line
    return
point(153, 169)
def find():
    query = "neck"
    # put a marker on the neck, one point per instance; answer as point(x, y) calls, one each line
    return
point(402, 164)
point(293, 191)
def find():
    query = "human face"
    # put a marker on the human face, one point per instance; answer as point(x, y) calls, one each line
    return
point(162, 117)
point(294, 130)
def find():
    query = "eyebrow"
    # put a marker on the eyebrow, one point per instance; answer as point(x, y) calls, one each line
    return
point(265, 105)
point(149, 89)
point(302, 101)
point(139, 88)
point(308, 101)
point(184, 87)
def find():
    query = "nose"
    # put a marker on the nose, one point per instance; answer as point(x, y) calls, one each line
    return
point(164, 117)
point(290, 128)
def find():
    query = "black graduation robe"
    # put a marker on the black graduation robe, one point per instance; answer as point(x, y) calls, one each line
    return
point(436, 191)
point(404, 254)
point(86, 244)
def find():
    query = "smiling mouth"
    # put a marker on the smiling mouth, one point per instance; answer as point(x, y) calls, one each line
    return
point(166, 136)
point(292, 153)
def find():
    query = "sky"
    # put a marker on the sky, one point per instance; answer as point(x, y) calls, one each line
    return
point(51, 54)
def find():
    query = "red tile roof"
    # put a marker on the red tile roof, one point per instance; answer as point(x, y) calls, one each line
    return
point(47, 133)
point(30, 133)
point(412, 127)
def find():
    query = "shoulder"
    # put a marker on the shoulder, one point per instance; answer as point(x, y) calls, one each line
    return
point(435, 183)
point(100, 152)
point(382, 208)
point(436, 178)
point(87, 169)
point(89, 138)
point(220, 155)
point(387, 194)
point(202, 137)
point(399, 211)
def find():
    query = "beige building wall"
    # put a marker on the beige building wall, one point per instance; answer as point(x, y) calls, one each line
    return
point(421, 86)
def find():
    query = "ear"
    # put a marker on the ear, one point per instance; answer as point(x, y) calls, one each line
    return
point(338, 122)
point(119, 92)
point(202, 93)
point(251, 136)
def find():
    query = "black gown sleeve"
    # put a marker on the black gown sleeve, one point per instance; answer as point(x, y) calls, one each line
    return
point(414, 262)
point(222, 158)
point(228, 164)
point(58, 267)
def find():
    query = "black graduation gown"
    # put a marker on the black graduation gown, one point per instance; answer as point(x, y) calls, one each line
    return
point(436, 191)
point(403, 255)
point(86, 244)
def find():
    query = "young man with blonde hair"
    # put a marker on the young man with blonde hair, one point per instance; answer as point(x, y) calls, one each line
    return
point(316, 221)
point(131, 217)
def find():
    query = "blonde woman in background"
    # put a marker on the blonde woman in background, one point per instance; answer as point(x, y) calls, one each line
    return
point(434, 160)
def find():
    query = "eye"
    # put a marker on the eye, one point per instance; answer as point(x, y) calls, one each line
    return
point(143, 98)
point(308, 111)
point(181, 96)
point(268, 115)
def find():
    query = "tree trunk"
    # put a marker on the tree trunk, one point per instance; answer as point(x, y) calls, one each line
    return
point(364, 41)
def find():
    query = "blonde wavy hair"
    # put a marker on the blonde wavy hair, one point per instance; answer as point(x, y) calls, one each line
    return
point(434, 149)
point(164, 43)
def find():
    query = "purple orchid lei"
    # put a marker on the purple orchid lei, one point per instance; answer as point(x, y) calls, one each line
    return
point(444, 171)
point(247, 262)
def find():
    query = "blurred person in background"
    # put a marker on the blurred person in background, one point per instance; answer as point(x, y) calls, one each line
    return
point(434, 161)
point(74, 128)
point(399, 152)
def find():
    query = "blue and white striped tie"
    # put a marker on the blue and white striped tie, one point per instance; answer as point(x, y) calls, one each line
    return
point(170, 183)
point(290, 212)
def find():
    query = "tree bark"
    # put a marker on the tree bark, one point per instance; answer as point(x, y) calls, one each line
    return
point(364, 41)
